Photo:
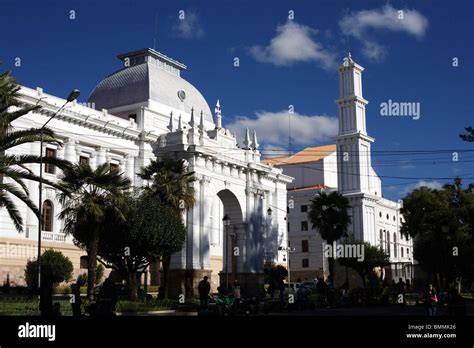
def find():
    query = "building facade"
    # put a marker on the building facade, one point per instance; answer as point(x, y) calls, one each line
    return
point(146, 110)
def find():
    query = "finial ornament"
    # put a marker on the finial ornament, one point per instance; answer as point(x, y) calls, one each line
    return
point(180, 124)
point(170, 125)
point(201, 121)
point(255, 143)
point(217, 110)
point(191, 122)
point(247, 143)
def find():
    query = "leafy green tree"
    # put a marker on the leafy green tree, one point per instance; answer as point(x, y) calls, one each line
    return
point(172, 184)
point(441, 223)
point(14, 168)
point(55, 268)
point(328, 214)
point(150, 232)
point(89, 195)
point(373, 257)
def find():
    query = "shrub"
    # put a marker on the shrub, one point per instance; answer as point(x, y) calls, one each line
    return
point(55, 268)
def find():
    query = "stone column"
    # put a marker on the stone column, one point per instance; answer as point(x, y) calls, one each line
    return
point(249, 192)
point(194, 228)
point(93, 160)
point(205, 224)
point(258, 240)
point(70, 151)
point(33, 188)
point(177, 272)
point(130, 167)
point(101, 156)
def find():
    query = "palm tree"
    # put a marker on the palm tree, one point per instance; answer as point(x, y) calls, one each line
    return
point(90, 195)
point(14, 168)
point(328, 213)
point(172, 185)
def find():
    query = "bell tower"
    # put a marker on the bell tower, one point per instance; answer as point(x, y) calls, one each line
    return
point(353, 144)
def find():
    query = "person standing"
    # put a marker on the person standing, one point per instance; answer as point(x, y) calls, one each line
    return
point(76, 301)
point(107, 299)
point(385, 293)
point(401, 290)
point(236, 289)
point(204, 288)
point(430, 300)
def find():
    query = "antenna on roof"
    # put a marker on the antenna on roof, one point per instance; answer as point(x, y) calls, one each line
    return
point(156, 31)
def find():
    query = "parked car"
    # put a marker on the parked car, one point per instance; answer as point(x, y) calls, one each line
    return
point(294, 286)
point(311, 285)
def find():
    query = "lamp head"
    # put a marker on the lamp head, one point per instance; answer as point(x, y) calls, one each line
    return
point(73, 95)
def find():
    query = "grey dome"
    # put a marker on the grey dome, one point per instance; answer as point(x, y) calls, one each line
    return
point(149, 81)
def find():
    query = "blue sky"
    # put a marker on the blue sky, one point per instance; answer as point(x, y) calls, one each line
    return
point(282, 63)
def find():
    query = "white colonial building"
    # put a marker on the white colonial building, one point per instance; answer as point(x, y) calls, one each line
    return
point(346, 167)
point(143, 111)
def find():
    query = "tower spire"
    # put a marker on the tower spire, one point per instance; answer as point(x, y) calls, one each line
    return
point(217, 110)
point(352, 133)
point(180, 124)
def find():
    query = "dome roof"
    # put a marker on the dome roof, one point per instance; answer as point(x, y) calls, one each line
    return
point(151, 76)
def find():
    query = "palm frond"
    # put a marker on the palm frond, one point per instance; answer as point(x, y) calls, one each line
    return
point(12, 210)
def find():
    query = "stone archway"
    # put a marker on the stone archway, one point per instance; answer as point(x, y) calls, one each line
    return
point(231, 237)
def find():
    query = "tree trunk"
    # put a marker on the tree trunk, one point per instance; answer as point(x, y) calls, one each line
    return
point(166, 269)
point(92, 265)
point(331, 271)
point(46, 299)
point(132, 285)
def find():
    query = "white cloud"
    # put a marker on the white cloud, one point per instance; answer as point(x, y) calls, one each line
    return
point(292, 44)
point(272, 129)
point(274, 151)
point(430, 184)
point(359, 24)
point(188, 27)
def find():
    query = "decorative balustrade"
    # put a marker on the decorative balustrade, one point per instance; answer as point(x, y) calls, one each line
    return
point(53, 237)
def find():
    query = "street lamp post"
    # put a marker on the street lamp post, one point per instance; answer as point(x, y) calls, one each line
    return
point(286, 248)
point(226, 221)
point(72, 96)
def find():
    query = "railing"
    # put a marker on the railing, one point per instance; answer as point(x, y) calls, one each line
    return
point(53, 237)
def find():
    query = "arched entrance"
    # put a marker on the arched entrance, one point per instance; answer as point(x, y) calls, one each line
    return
point(226, 238)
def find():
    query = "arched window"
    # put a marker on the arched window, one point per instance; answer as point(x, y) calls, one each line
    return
point(47, 216)
point(381, 239)
point(388, 243)
point(395, 245)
